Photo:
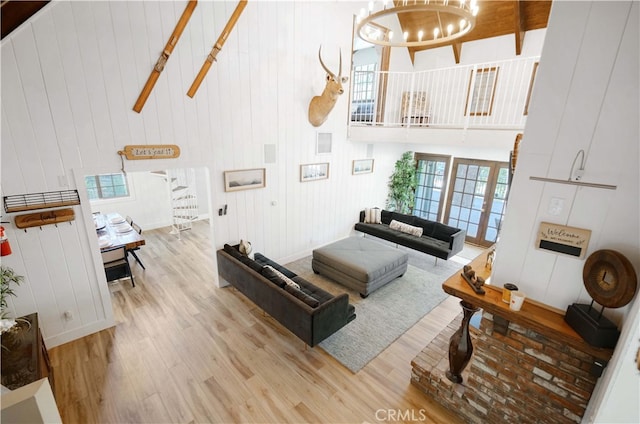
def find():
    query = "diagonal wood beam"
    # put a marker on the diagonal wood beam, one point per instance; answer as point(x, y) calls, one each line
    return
point(457, 50)
point(518, 15)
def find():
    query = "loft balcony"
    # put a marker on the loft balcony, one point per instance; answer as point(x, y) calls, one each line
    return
point(400, 106)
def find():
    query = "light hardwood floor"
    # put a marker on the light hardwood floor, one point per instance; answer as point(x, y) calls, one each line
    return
point(184, 350)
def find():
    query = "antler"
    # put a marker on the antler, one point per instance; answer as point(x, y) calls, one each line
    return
point(325, 67)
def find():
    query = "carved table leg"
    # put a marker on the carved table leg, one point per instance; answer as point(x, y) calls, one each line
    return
point(460, 347)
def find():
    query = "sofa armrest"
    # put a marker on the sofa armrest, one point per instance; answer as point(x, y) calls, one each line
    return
point(330, 317)
point(456, 244)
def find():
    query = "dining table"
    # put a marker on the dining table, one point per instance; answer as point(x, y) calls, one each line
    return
point(114, 231)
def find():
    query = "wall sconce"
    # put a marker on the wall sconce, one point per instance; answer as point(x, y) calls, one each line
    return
point(576, 174)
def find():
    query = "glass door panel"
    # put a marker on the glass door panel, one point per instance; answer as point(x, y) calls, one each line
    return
point(432, 185)
point(477, 199)
point(498, 203)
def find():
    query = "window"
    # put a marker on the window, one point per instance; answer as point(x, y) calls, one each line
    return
point(106, 186)
point(363, 93)
point(481, 91)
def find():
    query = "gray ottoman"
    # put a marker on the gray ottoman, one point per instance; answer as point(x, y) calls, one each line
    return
point(359, 263)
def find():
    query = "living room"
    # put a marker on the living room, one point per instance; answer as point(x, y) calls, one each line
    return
point(70, 77)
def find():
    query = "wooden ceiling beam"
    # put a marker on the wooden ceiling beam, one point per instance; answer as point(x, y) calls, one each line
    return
point(457, 50)
point(518, 16)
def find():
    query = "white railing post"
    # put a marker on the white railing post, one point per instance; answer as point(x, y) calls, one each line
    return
point(469, 97)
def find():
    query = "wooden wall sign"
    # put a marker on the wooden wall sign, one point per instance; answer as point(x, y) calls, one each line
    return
point(150, 151)
point(570, 241)
point(39, 219)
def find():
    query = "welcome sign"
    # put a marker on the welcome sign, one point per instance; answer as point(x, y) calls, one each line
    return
point(570, 241)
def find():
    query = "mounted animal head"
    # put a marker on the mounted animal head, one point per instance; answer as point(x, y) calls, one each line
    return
point(321, 105)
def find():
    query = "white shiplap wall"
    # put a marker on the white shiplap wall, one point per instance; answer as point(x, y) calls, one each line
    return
point(70, 77)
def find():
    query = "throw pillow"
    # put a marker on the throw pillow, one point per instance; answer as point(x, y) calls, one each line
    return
point(377, 216)
point(283, 277)
point(367, 215)
point(372, 216)
point(406, 228)
point(269, 273)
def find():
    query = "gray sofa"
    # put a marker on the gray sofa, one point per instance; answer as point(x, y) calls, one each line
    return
point(439, 240)
point(310, 313)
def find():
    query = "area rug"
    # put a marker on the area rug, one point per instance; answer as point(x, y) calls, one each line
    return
point(385, 314)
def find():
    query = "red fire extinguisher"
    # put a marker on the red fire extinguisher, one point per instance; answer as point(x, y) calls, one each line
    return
point(5, 247)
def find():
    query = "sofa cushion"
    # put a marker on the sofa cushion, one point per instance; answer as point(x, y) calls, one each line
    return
point(232, 250)
point(263, 260)
point(302, 296)
point(386, 216)
point(443, 232)
point(312, 290)
point(427, 226)
point(406, 228)
point(250, 263)
point(400, 217)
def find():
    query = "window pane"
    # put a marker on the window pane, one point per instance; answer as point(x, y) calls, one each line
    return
point(106, 186)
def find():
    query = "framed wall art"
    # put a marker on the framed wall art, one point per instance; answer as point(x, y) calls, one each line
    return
point(481, 92)
point(244, 179)
point(323, 143)
point(362, 166)
point(314, 171)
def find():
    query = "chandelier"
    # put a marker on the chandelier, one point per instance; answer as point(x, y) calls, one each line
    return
point(440, 22)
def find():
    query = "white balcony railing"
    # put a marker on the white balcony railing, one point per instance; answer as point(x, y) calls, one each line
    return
point(487, 95)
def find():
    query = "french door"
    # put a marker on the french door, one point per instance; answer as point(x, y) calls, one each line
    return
point(432, 172)
point(477, 199)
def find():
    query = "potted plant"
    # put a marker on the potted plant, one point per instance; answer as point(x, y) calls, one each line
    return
point(402, 184)
point(9, 278)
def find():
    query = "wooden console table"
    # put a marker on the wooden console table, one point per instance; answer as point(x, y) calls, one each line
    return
point(24, 355)
point(538, 317)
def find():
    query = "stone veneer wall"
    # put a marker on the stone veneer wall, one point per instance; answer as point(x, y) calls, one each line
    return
point(522, 377)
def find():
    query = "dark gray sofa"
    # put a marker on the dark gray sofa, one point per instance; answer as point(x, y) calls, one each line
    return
point(310, 313)
point(439, 240)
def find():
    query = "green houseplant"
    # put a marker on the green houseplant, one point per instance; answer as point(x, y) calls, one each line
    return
point(8, 280)
point(402, 184)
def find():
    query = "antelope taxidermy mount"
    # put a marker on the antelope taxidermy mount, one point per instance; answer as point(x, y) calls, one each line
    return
point(321, 105)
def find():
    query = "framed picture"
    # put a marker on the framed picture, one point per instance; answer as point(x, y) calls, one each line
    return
point(323, 143)
point(244, 179)
point(480, 95)
point(314, 171)
point(362, 166)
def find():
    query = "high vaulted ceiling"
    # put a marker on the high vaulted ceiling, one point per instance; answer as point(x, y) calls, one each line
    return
point(14, 13)
point(495, 18)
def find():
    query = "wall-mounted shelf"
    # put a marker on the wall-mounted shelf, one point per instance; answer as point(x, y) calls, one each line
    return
point(39, 219)
point(32, 201)
point(577, 183)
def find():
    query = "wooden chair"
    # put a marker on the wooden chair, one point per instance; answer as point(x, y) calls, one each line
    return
point(136, 228)
point(116, 264)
